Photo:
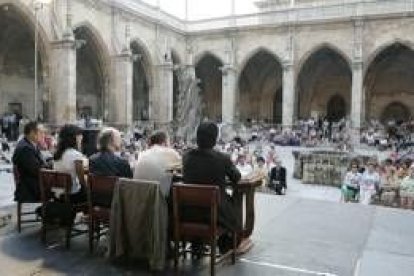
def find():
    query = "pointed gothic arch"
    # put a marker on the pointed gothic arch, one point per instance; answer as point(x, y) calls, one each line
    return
point(324, 73)
point(259, 81)
point(92, 75)
point(207, 70)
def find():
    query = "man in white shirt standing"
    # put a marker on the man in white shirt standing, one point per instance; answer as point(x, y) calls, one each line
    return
point(155, 163)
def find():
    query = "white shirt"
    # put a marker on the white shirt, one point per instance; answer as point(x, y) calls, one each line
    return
point(67, 164)
point(153, 164)
point(245, 170)
point(370, 180)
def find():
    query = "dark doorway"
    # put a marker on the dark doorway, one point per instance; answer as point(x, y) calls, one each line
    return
point(395, 112)
point(277, 106)
point(336, 108)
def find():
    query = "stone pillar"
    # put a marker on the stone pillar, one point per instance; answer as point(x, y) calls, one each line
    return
point(357, 102)
point(63, 82)
point(164, 103)
point(121, 100)
point(357, 106)
point(288, 95)
point(229, 94)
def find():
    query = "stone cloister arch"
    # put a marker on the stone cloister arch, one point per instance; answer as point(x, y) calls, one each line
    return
point(260, 83)
point(208, 72)
point(17, 63)
point(142, 82)
point(92, 75)
point(389, 83)
point(324, 78)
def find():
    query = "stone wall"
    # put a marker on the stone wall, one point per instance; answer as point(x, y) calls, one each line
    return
point(357, 40)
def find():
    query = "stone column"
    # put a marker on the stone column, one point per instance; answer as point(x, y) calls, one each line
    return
point(63, 82)
point(357, 102)
point(121, 96)
point(229, 94)
point(288, 95)
point(164, 103)
point(357, 106)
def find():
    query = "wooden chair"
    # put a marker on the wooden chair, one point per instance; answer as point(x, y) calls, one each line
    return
point(20, 213)
point(81, 174)
point(99, 187)
point(198, 196)
point(50, 182)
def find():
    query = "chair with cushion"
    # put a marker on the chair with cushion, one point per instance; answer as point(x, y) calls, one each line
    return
point(100, 192)
point(20, 213)
point(55, 188)
point(205, 197)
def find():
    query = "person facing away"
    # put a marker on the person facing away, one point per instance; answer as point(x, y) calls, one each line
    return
point(28, 161)
point(157, 162)
point(207, 166)
point(106, 162)
point(67, 152)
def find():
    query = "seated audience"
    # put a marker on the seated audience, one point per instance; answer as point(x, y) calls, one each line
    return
point(67, 152)
point(106, 162)
point(407, 190)
point(28, 160)
point(389, 180)
point(205, 165)
point(260, 172)
point(243, 166)
point(404, 169)
point(351, 184)
point(157, 162)
point(370, 180)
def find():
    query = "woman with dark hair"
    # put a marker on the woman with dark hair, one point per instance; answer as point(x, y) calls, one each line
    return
point(67, 152)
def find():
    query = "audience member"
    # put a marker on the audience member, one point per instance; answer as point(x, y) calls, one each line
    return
point(352, 182)
point(243, 166)
point(278, 178)
point(370, 182)
point(407, 190)
point(28, 160)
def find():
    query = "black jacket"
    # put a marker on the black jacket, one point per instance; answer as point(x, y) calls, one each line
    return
point(28, 160)
point(213, 168)
point(108, 164)
point(278, 174)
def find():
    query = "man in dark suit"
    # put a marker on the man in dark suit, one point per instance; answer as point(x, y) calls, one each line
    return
point(205, 165)
point(278, 178)
point(106, 162)
point(28, 161)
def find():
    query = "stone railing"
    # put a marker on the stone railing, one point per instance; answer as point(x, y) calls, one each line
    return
point(150, 13)
point(287, 15)
point(297, 15)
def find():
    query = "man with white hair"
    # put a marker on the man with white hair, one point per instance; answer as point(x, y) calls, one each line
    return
point(106, 162)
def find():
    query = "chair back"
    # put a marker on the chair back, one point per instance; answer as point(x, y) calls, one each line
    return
point(204, 197)
point(80, 173)
point(197, 195)
point(51, 180)
point(100, 187)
